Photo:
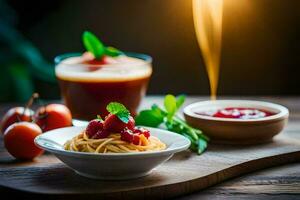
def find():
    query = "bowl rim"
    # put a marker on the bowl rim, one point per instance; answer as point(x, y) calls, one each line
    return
point(168, 151)
point(283, 111)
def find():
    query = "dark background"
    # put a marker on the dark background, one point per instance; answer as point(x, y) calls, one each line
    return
point(260, 47)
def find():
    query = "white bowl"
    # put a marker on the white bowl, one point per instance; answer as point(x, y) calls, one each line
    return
point(111, 166)
point(237, 131)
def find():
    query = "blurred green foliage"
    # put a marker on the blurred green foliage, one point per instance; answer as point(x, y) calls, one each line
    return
point(20, 61)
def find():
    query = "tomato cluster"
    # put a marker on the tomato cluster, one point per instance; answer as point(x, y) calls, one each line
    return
point(21, 125)
point(98, 129)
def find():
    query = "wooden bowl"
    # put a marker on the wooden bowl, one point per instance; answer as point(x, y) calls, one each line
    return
point(237, 131)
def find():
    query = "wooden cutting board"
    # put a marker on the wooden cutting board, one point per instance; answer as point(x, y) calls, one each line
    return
point(184, 173)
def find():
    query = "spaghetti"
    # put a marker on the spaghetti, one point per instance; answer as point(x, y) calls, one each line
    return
point(112, 144)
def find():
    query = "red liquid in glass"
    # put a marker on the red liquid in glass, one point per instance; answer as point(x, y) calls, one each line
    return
point(87, 99)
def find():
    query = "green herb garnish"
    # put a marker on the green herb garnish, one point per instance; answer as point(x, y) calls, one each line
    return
point(156, 116)
point(112, 51)
point(93, 44)
point(96, 47)
point(119, 110)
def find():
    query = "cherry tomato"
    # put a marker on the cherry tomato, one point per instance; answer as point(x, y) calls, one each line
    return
point(127, 135)
point(136, 139)
point(19, 140)
point(101, 134)
point(114, 124)
point(53, 116)
point(95, 64)
point(15, 115)
point(141, 130)
point(93, 127)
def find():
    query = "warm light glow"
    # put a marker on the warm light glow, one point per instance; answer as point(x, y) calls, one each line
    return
point(208, 24)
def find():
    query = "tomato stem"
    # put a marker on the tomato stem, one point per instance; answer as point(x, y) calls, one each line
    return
point(29, 104)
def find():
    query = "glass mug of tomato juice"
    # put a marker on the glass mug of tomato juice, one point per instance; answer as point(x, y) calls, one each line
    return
point(87, 88)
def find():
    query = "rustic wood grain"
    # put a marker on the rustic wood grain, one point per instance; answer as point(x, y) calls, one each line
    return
point(281, 182)
point(185, 173)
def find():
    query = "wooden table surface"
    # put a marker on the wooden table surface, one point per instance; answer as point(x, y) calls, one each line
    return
point(281, 182)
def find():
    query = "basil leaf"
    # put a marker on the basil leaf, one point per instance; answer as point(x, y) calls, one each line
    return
point(123, 116)
point(202, 145)
point(157, 109)
point(151, 118)
point(170, 105)
point(112, 51)
point(119, 110)
point(93, 44)
point(115, 107)
point(179, 101)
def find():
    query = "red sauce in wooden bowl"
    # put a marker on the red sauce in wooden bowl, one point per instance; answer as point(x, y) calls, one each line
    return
point(237, 113)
